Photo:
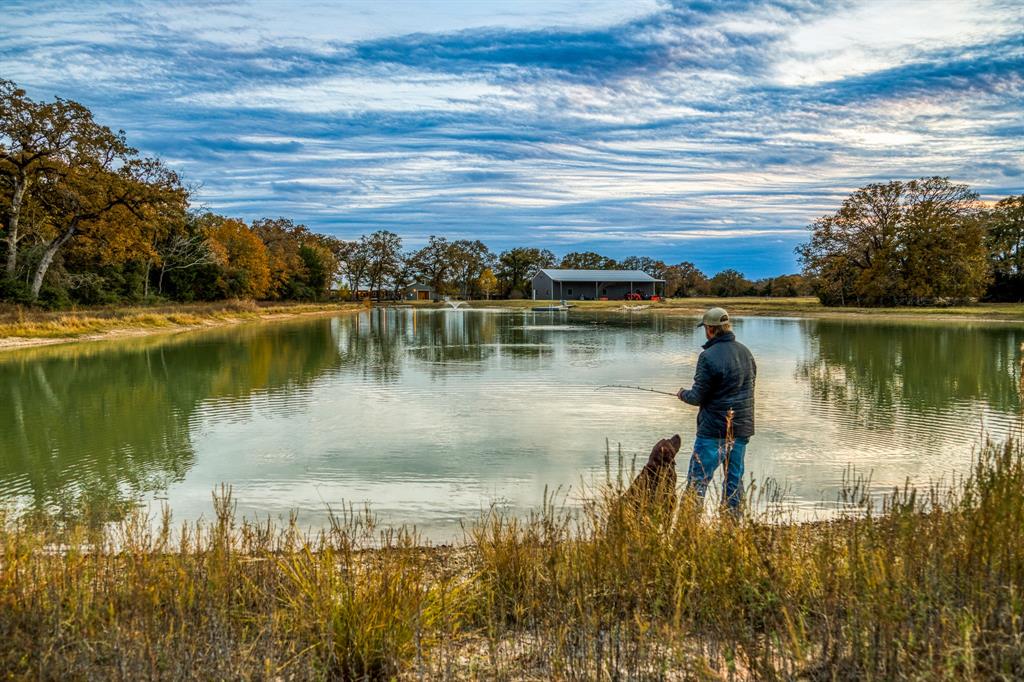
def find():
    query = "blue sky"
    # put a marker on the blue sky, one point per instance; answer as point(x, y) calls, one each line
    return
point(704, 131)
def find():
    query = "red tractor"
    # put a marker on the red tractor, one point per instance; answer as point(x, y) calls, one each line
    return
point(633, 296)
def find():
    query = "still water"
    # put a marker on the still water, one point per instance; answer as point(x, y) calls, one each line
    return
point(430, 416)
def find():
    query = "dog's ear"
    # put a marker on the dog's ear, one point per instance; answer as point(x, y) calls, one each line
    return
point(661, 452)
point(676, 442)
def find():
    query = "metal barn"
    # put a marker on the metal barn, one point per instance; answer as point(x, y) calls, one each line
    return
point(592, 285)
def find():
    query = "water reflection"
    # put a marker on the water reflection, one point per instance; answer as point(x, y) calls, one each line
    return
point(113, 421)
point(430, 416)
point(883, 372)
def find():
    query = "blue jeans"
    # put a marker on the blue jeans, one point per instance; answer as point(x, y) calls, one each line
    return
point(708, 453)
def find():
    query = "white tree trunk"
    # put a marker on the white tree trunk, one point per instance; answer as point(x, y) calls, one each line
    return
point(20, 184)
point(47, 260)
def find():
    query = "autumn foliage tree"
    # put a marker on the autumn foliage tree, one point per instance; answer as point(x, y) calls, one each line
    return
point(95, 190)
point(80, 205)
point(108, 205)
point(36, 138)
point(487, 283)
point(283, 239)
point(244, 263)
point(783, 285)
point(685, 279)
point(900, 243)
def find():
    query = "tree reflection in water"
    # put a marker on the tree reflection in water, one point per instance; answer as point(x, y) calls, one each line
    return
point(868, 370)
point(442, 341)
point(427, 414)
point(108, 422)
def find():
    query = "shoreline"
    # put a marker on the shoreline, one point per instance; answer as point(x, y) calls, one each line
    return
point(645, 592)
point(20, 330)
point(45, 329)
point(802, 307)
point(590, 592)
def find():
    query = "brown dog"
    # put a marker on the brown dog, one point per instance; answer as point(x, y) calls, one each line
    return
point(655, 485)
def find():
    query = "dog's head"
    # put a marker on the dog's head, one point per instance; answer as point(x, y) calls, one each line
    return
point(664, 451)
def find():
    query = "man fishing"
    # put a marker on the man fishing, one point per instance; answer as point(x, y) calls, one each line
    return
point(723, 388)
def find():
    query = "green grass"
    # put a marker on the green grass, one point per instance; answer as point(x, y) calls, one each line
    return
point(928, 586)
point(752, 305)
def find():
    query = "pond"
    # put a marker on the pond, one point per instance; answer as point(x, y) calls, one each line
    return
point(430, 416)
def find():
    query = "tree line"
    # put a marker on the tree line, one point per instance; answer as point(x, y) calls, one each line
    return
point(84, 218)
point(919, 242)
point(469, 269)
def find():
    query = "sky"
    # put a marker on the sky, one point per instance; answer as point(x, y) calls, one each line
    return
point(707, 131)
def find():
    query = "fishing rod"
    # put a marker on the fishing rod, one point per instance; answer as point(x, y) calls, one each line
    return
point(637, 388)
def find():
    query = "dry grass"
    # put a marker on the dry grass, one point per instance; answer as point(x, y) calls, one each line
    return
point(16, 322)
point(931, 586)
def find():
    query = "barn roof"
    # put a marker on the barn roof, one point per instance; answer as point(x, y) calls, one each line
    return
point(599, 276)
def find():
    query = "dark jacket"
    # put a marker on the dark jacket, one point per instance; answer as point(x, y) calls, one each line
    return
point(725, 378)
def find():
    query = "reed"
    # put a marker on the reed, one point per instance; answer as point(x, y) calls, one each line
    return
point(927, 583)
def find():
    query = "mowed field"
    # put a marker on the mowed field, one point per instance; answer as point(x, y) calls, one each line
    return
point(755, 305)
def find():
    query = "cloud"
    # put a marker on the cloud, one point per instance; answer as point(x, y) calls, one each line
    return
point(706, 131)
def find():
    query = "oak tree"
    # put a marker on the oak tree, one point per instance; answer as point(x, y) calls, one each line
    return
point(36, 139)
point(516, 268)
point(587, 260)
point(899, 243)
point(1004, 225)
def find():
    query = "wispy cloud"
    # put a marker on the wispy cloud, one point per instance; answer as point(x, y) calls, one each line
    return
point(687, 130)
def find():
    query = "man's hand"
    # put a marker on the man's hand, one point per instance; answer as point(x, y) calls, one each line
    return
point(680, 394)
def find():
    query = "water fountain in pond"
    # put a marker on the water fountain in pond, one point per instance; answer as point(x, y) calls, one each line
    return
point(455, 305)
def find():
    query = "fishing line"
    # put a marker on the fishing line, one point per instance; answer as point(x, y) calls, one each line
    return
point(637, 388)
